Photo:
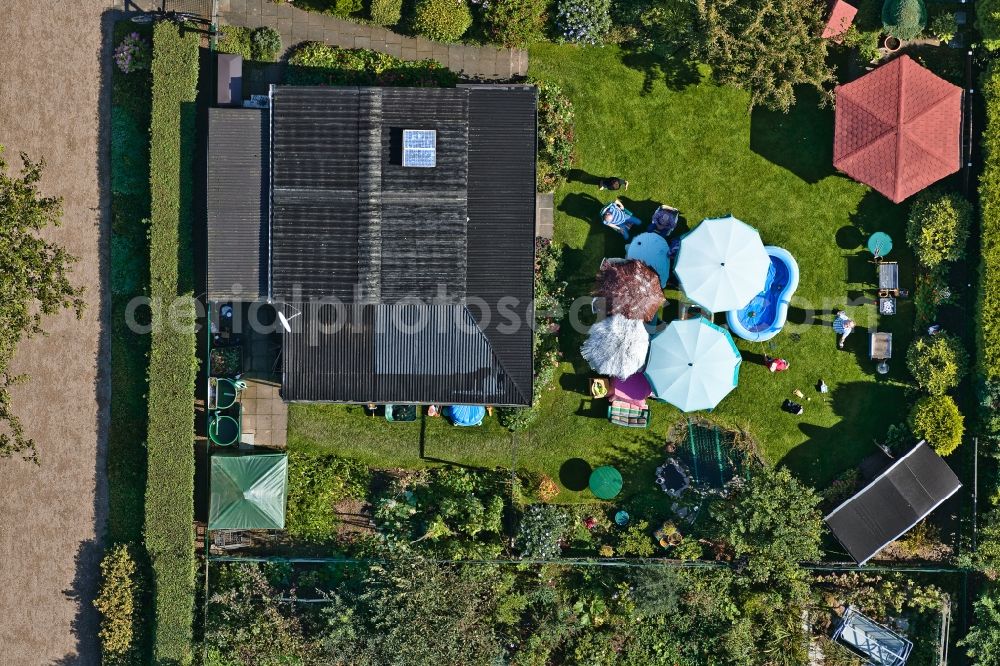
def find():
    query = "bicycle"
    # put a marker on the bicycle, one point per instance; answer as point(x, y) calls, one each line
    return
point(160, 15)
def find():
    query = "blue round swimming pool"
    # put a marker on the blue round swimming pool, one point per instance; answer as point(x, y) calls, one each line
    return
point(764, 316)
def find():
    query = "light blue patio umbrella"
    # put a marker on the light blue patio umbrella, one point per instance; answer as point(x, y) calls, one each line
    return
point(722, 264)
point(693, 364)
point(652, 250)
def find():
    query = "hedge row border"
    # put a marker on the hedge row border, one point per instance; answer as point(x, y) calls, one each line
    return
point(169, 510)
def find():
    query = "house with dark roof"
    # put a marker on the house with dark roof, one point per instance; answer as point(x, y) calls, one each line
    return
point(392, 228)
point(893, 503)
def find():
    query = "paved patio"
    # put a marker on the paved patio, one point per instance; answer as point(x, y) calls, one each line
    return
point(265, 415)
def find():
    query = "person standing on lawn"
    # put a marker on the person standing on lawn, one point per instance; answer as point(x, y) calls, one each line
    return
point(843, 325)
point(614, 183)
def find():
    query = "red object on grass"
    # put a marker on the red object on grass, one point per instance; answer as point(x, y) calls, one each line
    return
point(841, 17)
point(777, 365)
point(898, 128)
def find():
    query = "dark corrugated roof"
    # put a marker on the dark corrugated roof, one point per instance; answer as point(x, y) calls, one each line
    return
point(501, 201)
point(237, 212)
point(390, 353)
point(893, 503)
point(350, 222)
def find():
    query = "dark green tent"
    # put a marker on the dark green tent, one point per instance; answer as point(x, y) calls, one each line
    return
point(248, 491)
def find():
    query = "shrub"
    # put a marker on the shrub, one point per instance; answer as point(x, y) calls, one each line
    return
point(117, 602)
point(516, 418)
point(234, 39)
point(315, 485)
point(939, 226)
point(904, 19)
point(386, 12)
point(988, 22)
point(936, 419)
point(133, 54)
point(583, 21)
point(542, 530)
point(315, 63)
point(938, 363)
point(169, 508)
point(688, 550)
point(442, 20)
point(865, 41)
point(265, 44)
point(944, 26)
point(515, 23)
point(556, 136)
point(636, 540)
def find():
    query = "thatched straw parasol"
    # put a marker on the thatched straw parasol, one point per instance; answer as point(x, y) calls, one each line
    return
point(631, 289)
point(617, 346)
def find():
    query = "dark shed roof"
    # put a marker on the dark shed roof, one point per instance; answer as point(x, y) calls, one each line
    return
point(893, 503)
point(237, 212)
point(451, 246)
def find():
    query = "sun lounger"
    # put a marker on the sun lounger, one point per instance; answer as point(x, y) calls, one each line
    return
point(628, 415)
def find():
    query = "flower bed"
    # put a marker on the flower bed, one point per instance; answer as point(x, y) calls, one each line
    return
point(315, 63)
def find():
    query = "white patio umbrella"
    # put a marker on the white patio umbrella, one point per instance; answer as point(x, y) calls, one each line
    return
point(616, 346)
point(693, 364)
point(722, 264)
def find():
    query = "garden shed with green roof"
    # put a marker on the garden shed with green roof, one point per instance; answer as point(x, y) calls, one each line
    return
point(248, 491)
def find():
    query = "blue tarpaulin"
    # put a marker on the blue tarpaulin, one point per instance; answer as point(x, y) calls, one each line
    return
point(465, 415)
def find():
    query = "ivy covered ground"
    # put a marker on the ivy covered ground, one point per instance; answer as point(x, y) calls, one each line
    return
point(695, 146)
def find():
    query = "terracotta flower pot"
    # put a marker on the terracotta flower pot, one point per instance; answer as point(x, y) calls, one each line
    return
point(892, 44)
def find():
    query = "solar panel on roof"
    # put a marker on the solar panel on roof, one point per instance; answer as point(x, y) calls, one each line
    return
point(419, 148)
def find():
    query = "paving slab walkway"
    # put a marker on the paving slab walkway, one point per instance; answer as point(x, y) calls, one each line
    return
point(296, 26)
point(54, 105)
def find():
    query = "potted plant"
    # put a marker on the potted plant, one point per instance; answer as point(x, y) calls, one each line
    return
point(892, 44)
point(668, 535)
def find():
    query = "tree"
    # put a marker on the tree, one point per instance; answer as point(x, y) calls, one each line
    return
point(938, 363)
point(34, 282)
point(939, 226)
point(766, 47)
point(904, 19)
point(982, 643)
point(772, 524)
point(936, 419)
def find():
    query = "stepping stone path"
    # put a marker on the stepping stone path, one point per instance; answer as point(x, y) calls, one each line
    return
point(296, 26)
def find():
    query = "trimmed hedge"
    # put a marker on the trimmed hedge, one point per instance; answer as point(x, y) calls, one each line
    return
point(988, 341)
point(172, 365)
point(316, 63)
point(988, 22)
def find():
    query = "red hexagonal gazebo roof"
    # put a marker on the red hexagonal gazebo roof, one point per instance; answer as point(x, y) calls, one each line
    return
point(898, 128)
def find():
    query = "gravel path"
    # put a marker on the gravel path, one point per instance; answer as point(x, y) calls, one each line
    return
point(52, 103)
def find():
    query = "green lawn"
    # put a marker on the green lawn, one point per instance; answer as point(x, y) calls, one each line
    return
point(696, 148)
